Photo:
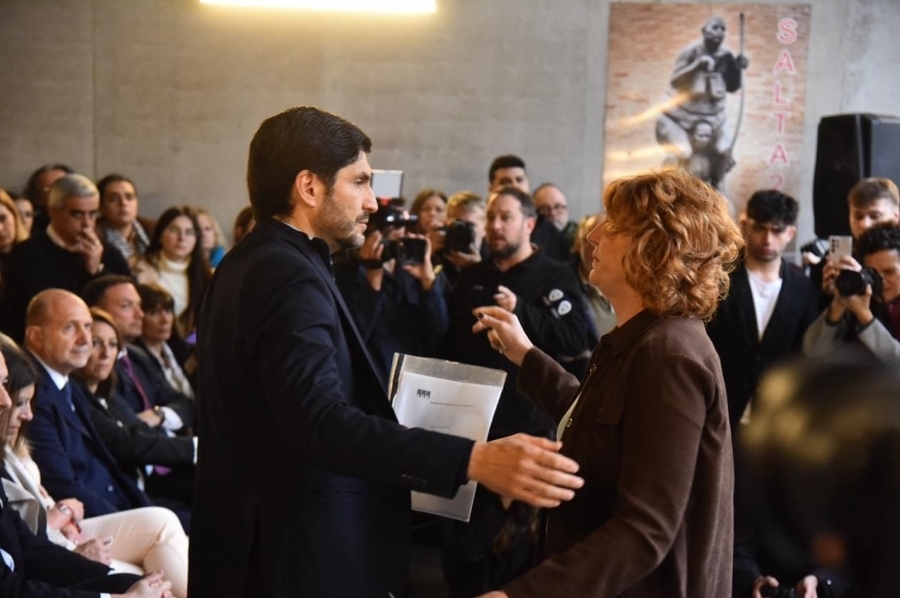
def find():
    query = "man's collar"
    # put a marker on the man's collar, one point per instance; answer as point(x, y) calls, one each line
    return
point(59, 380)
point(57, 240)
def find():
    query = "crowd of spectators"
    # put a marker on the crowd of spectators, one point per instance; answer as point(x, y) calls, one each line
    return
point(99, 304)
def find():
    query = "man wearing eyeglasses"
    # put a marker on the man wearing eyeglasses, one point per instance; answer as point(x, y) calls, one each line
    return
point(551, 203)
point(65, 255)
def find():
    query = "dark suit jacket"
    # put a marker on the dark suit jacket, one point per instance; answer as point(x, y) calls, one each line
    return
point(734, 333)
point(72, 458)
point(153, 381)
point(45, 570)
point(38, 264)
point(303, 475)
point(132, 442)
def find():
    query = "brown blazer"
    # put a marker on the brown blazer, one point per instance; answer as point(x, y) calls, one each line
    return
point(650, 431)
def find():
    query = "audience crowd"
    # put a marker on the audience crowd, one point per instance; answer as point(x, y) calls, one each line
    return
point(99, 305)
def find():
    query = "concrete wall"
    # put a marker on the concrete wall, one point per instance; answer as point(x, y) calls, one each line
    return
point(171, 91)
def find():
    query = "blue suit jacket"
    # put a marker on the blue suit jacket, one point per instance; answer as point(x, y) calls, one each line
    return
point(73, 460)
point(303, 476)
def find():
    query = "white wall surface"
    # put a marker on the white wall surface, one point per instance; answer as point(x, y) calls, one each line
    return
point(169, 92)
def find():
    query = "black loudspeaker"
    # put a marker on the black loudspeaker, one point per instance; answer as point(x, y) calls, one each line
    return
point(851, 147)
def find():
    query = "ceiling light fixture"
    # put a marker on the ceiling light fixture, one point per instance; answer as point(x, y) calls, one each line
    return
point(360, 6)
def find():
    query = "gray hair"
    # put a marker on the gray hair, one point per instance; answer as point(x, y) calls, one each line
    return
point(70, 185)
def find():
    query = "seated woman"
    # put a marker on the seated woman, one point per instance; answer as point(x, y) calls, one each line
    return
point(649, 424)
point(164, 461)
point(176, 261)
point(145, 539)
point(172, 354)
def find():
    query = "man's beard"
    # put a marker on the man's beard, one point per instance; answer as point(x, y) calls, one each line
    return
point(506, 252)
point(335, 223)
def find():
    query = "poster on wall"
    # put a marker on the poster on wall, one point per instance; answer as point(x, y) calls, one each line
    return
point(719, 89)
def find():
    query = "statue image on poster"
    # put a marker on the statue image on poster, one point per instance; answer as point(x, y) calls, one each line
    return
point(693, 129)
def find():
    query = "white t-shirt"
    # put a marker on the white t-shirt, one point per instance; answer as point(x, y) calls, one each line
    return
point(765, 295)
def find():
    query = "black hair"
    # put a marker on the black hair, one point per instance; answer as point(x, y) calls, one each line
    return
point(881, 237)
point(109, 179)
point(504, 161)
point(93, 291)
point(298, 139)
point(771, 206)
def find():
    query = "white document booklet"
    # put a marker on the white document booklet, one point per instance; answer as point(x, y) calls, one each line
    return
point(448, 397)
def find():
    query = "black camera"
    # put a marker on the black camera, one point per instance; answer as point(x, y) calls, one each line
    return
point(460, 236)
point(850, 282)
point(408, 250)
point(388, 216)
point(768, 591)
point(817, 247)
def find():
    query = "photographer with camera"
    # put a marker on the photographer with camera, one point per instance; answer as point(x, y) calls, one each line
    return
point(866, 301)
point(462, 236)
point(396, 298)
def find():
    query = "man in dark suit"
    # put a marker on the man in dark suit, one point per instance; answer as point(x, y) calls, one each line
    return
point(304, 474)
point(64, 255)
point(73, 460)
point(770, 304)
point(769, 307)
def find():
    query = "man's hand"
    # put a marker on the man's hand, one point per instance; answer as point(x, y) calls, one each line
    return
point(505, 298)
point(150, 417)
point(762, 582)
point(832, 269)
point(91, 249)
point(423, 272)
point(98, 549)
point(860, 306)
point(505, 333)
point(525, 468)
point(462, 260)
point(150, 586)
point(742, 61)
point(807, 587)
point(496, 594)
point(370, 252)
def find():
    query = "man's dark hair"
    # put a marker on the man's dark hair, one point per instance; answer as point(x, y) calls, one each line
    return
point(525, 201)
point(93, 292)
point(109, 179)
point(298, 139)
point(881, 237)
point(771, 206)
point(31, 188)
point(505, 161)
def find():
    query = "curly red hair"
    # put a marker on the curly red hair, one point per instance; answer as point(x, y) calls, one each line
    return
point(685, 242)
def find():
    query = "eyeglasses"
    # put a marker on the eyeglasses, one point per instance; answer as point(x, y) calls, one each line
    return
point(557, 207)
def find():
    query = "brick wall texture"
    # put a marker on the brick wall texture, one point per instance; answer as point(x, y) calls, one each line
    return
point(645, 39)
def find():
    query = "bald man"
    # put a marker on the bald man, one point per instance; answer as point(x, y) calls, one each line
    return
point(73, 460)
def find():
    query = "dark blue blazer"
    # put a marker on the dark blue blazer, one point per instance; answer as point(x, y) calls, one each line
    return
point(73, 460)
point(153, 381)
point(734, 333)
point(304, 476)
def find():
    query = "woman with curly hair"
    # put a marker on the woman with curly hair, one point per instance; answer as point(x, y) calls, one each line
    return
point(649, 423)
point(175, 260)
